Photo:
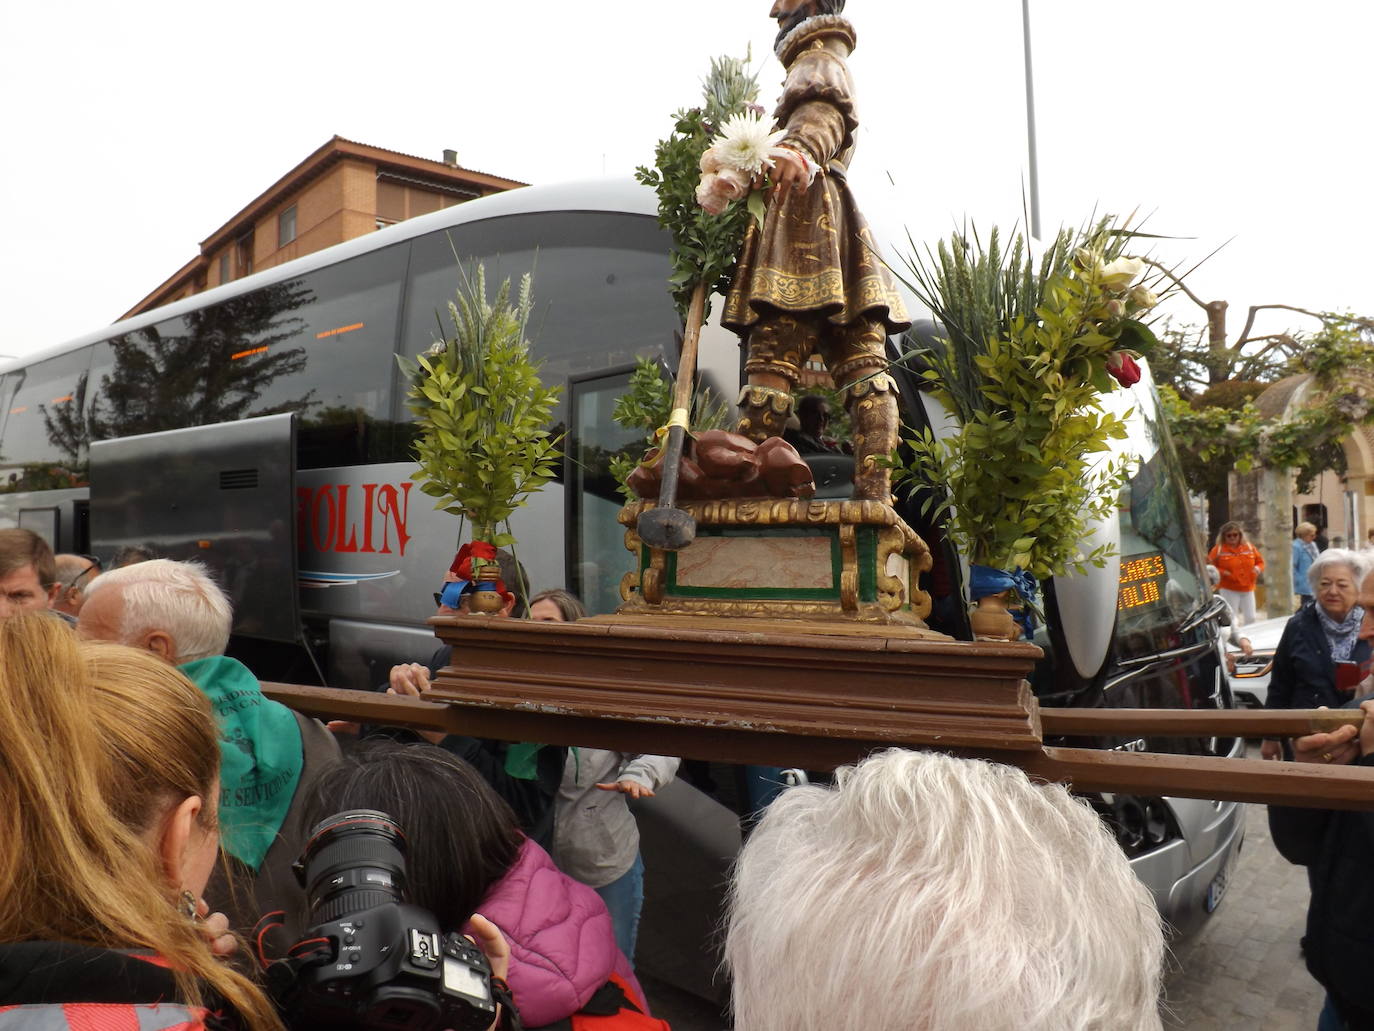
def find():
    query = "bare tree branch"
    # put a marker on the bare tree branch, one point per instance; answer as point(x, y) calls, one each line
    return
point(1324, 316)
point(1177, 281)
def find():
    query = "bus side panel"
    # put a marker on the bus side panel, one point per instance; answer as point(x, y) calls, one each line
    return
point(58, 516)
point(373, 550)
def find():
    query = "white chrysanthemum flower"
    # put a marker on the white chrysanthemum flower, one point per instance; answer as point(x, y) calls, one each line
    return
point(745, 143)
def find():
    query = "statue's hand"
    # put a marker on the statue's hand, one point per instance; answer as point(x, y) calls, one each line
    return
point(789, 171)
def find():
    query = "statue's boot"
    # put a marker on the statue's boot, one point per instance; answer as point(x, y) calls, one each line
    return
point(764, 412)
point(872, 407)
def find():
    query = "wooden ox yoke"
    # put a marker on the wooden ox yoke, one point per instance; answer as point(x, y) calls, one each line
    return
point(816, 696)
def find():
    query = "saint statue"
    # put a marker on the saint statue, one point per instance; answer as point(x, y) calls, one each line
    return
point(810, 280)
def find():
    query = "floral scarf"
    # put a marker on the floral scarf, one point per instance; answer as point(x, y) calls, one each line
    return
point(1343, 635)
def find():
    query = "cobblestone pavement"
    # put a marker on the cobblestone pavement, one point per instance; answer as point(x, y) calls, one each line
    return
point(1243, 970)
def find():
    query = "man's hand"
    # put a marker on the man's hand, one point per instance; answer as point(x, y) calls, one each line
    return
point(411, 680)
point(628, 787)
point(344, 728)
point(1339, 746)
point(1246, 648)
point(1270, 749)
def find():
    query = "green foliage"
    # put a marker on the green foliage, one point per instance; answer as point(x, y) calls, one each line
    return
point(704, 246)
point(483, 446)
point(1023, 368)
point(1222, 429)
point(646, 406)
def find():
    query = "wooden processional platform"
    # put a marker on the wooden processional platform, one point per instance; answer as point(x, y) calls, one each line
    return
point(791, 633)
point(817, 695)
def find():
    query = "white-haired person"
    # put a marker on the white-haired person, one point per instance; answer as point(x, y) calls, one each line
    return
point(1321, 658)
point(922, 892)
point(176, 611)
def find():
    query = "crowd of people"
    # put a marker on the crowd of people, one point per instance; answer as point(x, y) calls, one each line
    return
point(910, 874)
point(886, 893)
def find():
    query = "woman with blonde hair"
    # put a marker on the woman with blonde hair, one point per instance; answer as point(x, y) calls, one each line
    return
point(109, 786)
point(1240, 564)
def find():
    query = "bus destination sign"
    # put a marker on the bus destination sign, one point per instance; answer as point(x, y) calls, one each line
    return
point(1143, 578)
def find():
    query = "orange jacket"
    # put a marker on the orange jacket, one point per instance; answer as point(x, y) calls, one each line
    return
point(1239, 566)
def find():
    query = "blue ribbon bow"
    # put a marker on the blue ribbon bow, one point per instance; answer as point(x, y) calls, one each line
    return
point(985, 580)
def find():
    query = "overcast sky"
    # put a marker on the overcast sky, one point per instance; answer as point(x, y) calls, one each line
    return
point(132, 131)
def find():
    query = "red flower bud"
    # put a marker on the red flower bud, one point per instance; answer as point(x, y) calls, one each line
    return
point(1124, 368)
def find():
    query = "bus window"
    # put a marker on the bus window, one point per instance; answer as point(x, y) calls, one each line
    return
point(600, 287)
point(180, 372)
point(336, 365)
point(1162, 571)
point(46, 438)
point(597, 559)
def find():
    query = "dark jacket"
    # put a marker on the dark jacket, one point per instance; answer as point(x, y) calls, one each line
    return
point(274, 886)
point(532, 800)
point(1338, 850)
point(64, 985)
point(1304, 675)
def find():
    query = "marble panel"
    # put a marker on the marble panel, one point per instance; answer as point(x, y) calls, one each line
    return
point(752, 562)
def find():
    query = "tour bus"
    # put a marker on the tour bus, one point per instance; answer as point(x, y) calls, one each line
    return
point(260, 428)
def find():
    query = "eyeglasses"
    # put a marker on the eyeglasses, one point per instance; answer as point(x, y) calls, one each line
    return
point(94, 567)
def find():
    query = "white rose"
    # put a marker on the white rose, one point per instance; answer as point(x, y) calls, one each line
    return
point(733, 183)
point(710, 160)
point(1118, 274)
point(1142, 296)
point(709, 196)
point(1087, 258)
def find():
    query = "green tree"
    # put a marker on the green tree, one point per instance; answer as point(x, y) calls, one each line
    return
point(1209, 382)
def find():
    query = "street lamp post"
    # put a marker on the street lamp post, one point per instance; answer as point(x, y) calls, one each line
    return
point(1034, 177)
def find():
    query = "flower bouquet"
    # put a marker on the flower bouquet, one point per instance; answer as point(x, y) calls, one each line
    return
point(482, 413)
point(1028, 351)
point(701, 171)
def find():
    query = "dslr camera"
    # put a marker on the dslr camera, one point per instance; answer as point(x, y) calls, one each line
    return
point(370, 960)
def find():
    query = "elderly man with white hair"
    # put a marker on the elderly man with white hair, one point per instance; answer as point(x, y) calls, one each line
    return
point(177, 612)
point(923, 892)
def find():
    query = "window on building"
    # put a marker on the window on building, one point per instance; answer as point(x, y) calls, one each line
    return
point(244, 253)
point(224, 271)
point(286, 226)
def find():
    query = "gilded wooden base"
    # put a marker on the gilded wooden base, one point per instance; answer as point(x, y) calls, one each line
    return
point(851, 561)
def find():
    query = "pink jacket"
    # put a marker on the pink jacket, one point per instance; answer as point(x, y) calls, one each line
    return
point(561, 943)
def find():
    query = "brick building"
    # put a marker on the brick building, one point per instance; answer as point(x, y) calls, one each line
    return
point(341, 191)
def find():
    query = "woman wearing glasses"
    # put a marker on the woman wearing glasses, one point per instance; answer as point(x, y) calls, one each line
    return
point(1240, 564)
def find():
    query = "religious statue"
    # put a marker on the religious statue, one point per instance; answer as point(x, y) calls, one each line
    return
point(810, 279)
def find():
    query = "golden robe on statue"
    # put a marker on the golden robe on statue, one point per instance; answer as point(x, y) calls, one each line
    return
point(810, 280)
point(815, 252)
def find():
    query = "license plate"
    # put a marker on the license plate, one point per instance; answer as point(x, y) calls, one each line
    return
point(1217, 889)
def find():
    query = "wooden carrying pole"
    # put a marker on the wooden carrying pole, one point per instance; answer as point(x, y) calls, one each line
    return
point(1085, 769)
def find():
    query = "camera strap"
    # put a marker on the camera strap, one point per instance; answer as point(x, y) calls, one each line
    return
point(510, 1013)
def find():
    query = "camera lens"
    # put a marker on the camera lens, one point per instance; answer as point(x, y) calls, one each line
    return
point(354, 860)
